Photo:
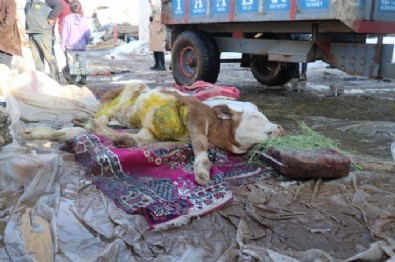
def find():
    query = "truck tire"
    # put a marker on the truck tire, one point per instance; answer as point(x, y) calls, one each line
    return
point(195, 56)
point(272, 73)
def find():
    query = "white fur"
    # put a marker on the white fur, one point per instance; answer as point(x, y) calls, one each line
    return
point(254, 128)
point(201, 168)
point(238, 106)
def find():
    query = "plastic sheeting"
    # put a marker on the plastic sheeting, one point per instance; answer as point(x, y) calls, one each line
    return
point(347, 219)
point(45, 198)
point(29, 182)
point(276, 220)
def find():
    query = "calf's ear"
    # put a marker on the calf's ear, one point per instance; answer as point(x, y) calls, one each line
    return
point(223, 112)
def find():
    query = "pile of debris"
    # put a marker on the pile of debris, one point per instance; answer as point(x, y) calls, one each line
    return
point(5, 135)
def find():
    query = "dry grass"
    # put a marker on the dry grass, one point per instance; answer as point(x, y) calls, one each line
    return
point(306, 138)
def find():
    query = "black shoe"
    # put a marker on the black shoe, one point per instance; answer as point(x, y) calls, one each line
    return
point(82, 81)
point(73, 79)
point(161, 68)
point(66, 73)
point(154, 68)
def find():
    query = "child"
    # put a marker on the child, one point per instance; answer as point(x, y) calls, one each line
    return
point(75, 37)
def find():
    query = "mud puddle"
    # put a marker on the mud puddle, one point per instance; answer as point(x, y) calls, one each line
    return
point(358, 124)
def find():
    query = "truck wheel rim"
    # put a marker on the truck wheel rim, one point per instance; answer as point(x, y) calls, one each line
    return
point(188, 61)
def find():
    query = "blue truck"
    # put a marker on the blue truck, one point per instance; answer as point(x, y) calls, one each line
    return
point(268, 34)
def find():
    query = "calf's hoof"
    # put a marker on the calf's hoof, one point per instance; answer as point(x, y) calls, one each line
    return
point(80, 122)
point(202, 171)
point(202, 179)
point(125, 142)
point(88, 123)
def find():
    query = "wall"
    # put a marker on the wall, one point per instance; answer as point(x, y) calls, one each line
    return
point(145, 11)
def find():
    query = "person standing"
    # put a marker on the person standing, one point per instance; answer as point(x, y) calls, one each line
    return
point(10, 43)
point(40, 20)
point(301, 72)
point(66, 11)
point(157, 38)
point(74, 39)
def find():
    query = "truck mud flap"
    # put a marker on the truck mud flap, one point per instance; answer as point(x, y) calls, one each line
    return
point(370, 60)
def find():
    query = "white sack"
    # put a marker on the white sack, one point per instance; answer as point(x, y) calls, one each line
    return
point(40, 98)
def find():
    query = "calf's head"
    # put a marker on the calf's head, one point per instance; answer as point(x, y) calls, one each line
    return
point(252, 127)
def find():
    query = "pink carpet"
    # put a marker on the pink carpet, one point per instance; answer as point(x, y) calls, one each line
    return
point(158, 182)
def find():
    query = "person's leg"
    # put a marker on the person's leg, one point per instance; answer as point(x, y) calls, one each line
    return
point(38, 56)
point(297, 71)
point(49, 54)
point(72, 65)
point(155, 67)
point(161, 58)
point(5, 58)
point(66, 69)
point(82, 67)
point(304, 70)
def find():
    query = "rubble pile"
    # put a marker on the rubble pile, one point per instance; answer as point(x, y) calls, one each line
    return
point(5, 135)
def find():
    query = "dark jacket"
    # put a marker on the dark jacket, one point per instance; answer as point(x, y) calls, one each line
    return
point(9, 41)
point(37, 14)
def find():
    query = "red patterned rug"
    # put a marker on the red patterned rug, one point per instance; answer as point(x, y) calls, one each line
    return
point(157, 180)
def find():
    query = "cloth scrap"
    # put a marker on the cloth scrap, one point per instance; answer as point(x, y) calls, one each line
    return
point(204, 90)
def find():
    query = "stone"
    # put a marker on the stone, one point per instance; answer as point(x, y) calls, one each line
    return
point(5, 135)
point(308, 163)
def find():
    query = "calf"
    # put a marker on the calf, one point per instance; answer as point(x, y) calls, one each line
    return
point(164, 114)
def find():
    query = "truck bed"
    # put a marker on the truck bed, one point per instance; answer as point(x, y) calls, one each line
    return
point(360, 16)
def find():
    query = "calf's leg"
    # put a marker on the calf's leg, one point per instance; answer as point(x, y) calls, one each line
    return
point(201, 165)
point(144, 136)
point(99, 126)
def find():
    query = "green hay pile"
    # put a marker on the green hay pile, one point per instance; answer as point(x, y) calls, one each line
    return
point(307, 138)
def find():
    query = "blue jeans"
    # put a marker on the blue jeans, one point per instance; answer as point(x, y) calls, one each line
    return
point(42, 46)
point(5, 58)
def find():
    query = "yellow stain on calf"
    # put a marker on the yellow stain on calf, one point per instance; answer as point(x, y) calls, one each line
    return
point(154, 100)
point(167, 123)
point(108, 108)
point(111, 107)
point(168, 117)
